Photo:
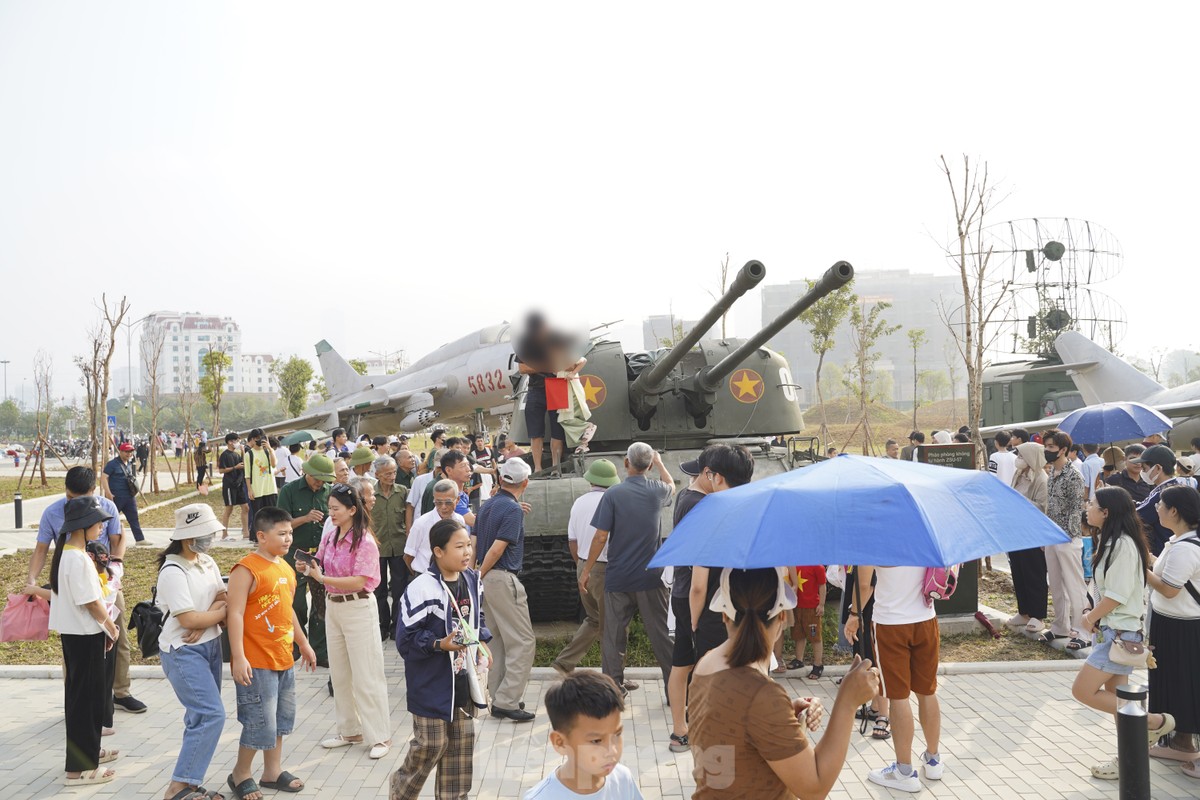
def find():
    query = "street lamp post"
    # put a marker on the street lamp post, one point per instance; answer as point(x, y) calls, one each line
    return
point(5, 362)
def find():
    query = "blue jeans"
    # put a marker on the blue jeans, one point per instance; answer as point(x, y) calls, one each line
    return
point(128, 506)
point(195, 674)
point(266, 708)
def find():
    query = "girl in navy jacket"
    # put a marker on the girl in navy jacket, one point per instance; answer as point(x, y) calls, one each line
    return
point(436, 645)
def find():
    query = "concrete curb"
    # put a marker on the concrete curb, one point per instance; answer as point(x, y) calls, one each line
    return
point(152, 672)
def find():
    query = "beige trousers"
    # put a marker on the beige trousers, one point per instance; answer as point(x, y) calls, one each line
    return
point(589, 630)
point(1064, 571)
point(356, 669)
point(506, 612)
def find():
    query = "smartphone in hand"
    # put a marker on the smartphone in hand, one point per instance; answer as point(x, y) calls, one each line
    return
point(308, 558)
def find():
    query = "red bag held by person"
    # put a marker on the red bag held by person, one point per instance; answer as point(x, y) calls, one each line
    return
point(556, 394)
point(25, 619)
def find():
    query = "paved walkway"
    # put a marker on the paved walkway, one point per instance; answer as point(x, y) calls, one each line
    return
point(1013, 734)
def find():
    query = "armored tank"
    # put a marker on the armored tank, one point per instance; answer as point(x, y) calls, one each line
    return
point(678, 400)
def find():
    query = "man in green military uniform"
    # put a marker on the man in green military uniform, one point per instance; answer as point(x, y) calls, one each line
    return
point(387, 523)
point(307, 500)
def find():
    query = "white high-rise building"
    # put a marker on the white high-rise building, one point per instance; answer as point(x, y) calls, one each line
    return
point(187, 337)
point(254, 374)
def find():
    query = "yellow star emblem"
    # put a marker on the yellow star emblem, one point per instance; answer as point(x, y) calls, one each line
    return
point(800, 581)
point(594, 390)
point(590, 391)
point(746, 386)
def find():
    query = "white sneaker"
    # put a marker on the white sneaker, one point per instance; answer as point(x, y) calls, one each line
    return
point(891, 778)
point(934, 767)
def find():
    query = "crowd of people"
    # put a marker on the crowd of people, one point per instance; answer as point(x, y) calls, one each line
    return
point(358, 542)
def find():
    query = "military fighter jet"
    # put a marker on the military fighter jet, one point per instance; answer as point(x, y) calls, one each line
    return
point(464, 380)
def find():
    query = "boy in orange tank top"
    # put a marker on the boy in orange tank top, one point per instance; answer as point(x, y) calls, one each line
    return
point(262, 626)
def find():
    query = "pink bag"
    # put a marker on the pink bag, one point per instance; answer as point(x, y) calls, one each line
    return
point(25, 619)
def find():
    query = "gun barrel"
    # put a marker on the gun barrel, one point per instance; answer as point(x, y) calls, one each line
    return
point(834, 278)
point(651, 381)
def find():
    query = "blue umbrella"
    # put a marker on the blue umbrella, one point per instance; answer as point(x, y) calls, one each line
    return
point(859, 510)
point(1113, 422)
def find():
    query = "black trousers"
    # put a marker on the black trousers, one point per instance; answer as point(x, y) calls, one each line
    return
point(393, 580)
point(1029, 581)
point(258, 504)
point(85, 696)
point(110, 677)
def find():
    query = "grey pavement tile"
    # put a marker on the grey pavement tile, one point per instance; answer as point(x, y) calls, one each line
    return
point(997, 732)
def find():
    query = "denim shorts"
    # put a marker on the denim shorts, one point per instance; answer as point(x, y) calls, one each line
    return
point(266, 708)
point(1103, 643)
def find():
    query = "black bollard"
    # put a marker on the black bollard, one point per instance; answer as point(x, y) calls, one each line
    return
point(17, 515)
point(1133, 752)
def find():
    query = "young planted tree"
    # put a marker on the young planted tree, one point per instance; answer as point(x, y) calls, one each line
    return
point(110, 324)
point(916, 338)
point(293, 377)
point(43, 370)
point(724, 271)
point(934, 385)
point(151, 352)
point(867, 326)
point(217, 364)
point(822, 319)
point(90, 368)
point(983, 292)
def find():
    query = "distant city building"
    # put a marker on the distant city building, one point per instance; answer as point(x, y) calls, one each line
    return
point(662, 328)
point(187, 337)
point(254, 374)
point(913, 298)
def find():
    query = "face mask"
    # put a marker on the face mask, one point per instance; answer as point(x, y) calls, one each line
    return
point(201, 544)
point(1146, 477)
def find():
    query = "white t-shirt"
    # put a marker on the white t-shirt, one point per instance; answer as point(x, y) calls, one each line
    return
point(1178, 564)
point(78, 585)
point(415, 492)
point(417, 545)
point(898, 596)
point(579, 528)
point(1092, 466)
point(281, 455)
point(619, 785)
point(293, 466)
point(184, 586)
point(1003, 464)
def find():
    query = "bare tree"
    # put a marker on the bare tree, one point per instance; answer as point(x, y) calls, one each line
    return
point(111, 323)
point(43, 370)
point(724, 284)
point(982, 293)
point(916, 338)
point(953, 362)
point(151, 352)
point(90, 368)
point(217, 365)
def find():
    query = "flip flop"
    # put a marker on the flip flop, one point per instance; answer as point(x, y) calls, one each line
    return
point(1049, 637)
point(188, 793)
point(283, 783)
point(244, 788)
point(1077, 644)
point(91, 776)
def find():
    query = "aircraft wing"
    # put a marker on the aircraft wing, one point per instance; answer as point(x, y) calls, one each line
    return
point(1033, 426)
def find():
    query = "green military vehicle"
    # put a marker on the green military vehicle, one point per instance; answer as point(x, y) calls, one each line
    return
point(678, 400)
point(1022, 391)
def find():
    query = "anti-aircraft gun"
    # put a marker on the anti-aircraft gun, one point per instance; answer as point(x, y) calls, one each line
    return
point(678, 400)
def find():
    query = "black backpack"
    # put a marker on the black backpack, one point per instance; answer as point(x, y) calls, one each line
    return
point(148, 620)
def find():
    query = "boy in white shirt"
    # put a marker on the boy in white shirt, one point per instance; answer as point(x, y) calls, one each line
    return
point(585, 714)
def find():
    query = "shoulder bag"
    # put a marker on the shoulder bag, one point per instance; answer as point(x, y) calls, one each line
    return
point(478, 655)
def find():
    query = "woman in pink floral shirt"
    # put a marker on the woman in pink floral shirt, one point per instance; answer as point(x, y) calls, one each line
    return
point(349, 569)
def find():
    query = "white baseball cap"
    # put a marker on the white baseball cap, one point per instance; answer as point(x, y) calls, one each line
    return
point(514, 471)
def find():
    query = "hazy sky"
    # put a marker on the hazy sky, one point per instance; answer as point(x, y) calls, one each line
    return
point(387, 175)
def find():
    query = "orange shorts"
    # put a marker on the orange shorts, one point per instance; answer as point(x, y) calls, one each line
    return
point(907, 657)
point(805, 619)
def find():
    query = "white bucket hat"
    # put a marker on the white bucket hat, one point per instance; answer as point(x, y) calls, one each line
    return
point(785, 596)
point(195, 520)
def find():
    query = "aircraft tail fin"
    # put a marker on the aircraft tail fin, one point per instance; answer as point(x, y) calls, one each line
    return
point(340, 377)
point(1109, 378)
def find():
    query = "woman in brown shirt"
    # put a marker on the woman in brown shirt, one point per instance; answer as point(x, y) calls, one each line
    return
point(747, 735)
